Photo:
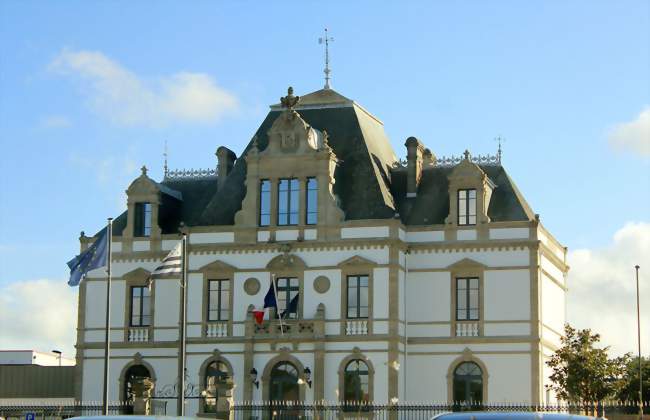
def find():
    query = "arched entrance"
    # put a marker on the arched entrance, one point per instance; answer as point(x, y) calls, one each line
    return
point(216, 375)
point(132, 374)
point(283, 383)
point(468, 383)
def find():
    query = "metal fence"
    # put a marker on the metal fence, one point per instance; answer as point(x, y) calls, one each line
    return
point(410, 411)
point(20, 411)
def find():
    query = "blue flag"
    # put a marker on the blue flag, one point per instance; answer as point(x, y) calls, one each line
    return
point(269, 300)
point(293, 306)
point(94, 257)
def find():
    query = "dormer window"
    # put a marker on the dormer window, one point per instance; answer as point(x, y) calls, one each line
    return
point(142, 219)
point(288, 201)
point(265, 202)
point(311, 216)
point(467, 207)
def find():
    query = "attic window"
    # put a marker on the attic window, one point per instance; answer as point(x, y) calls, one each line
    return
point(312, 201)
point(467, 207)
point(142, 219)
point(265, 202)
point(288, 201)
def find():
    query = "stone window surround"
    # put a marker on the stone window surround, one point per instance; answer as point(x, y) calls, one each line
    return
point(289, 265)
point(467, 356)
point(216, 270)
point(302, 202)
point(142, 190)
point(355, 266)
point(138, 278)
point(463, 269)
point(216, 357)
point(284, 356)
point(356, 355)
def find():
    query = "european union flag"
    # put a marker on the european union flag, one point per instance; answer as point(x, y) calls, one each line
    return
point(94, 257)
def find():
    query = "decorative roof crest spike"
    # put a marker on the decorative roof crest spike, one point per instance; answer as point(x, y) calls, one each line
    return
point(289, 101)
point(499, 139)
point(326, 40)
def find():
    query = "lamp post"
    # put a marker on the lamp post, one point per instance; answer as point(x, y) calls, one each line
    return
point(638, 326)
point(58, 353)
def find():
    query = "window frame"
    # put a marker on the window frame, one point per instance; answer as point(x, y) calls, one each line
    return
point(464, 219)
point(468, 298)
point(219, 304)
point(311, 206)
point(287, 290)
point(290, 215)
point(141, 307)
point(357, 305)
point(143, 221)
point(264, 218)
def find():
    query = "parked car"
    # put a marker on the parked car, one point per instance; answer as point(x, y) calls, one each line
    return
point(511, 415)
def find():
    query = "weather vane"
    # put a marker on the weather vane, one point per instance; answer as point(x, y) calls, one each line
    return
point(499, 139)
point(326, 40)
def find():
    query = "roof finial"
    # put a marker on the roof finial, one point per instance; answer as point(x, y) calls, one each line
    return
point(499, 139)
point(326, 40)
point(144, 170)
point(165, 169)
point(466, 154)
point(290, 100)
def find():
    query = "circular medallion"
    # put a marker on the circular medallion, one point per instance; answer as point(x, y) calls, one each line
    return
point(252, 286)
point(321, 284)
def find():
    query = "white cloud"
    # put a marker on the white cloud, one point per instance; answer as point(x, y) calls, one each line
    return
point(107, 170)
point(633, 136)
point(602, 289)
point(55, 121)
point(124, 98)
point(39, 315)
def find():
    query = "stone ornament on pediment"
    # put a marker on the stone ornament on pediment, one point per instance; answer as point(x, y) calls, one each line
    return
point(356, 261)
point(137, 275)
point(217, 267)
point(466, 263)
point(286, 262)
point(143, 185)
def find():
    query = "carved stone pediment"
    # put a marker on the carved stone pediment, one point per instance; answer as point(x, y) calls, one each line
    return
point(356, 261)
point(286, 262)
point(467, 169)
point(290, 134)
point(466, 263)
point(137, 275)
point(142, 185)
point(217, 267)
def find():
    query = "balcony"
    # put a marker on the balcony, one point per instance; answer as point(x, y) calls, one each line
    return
point(468, 328)
point(295, 327)
point(356, 327)
point(138, 334)
point(216, 329)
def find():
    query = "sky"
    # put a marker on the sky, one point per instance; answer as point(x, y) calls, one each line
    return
point(90, 91)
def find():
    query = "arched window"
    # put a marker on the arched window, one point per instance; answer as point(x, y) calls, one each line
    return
point(216, 374)
point(468, 383)
point(134, 373)
point(356, 385)
point(284, 382)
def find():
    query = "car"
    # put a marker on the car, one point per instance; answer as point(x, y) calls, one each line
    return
point(511, 415)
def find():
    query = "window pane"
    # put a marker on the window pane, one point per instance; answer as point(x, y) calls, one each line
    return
point(472, 207)
point(352, 302)
point(146, 222)
point(146, 311)
point(265, 202)
point(473, 299)
point(471, 220)
point(472, 193)
point(312, 201)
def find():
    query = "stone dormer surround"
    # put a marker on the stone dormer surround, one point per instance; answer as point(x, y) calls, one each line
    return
point(468, 175)
point(295, 150)
point(142, 190)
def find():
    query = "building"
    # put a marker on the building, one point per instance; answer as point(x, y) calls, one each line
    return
point(425, 279)
point(33, 357)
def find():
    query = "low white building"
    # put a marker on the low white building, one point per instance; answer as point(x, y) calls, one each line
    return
point(429, 279)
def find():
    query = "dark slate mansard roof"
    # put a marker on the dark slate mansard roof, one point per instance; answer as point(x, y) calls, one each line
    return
point(366, 186)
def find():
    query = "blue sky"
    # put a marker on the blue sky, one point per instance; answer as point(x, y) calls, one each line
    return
point(565, 83)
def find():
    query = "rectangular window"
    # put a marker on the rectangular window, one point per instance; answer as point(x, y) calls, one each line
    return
point(142, 219)
point(265, 202)
point(467, 207)
point(218, 300)
point(467, 299)
point(140, 306)
point(288, 289)
point(358, 296)
point(312, 202)
point(288, 201)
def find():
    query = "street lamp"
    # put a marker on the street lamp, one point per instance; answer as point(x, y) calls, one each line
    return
point(253, 376)
point(58, 352)
point(638, 326)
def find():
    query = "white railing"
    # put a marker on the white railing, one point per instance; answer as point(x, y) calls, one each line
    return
point(138, 334)
point(356, 327)
point(467, 329)
point(216, 329)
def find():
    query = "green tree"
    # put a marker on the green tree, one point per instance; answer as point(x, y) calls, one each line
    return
point(630, 389)
point(582, 372)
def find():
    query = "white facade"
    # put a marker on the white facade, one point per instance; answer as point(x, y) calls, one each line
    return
point(413, 339)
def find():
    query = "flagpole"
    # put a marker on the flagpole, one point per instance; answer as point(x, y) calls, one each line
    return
point(275, 292)
point(107, 342)
point(180, 410)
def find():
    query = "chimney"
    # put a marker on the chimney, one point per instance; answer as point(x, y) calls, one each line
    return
point(414, 156)
point(225, 161)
